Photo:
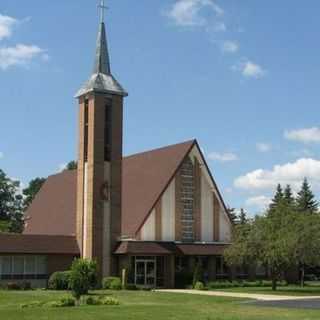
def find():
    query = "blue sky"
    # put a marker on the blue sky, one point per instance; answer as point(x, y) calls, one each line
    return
point(240, 76)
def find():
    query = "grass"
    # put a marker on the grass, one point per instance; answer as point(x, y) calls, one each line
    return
point(309, 290)
point(146, 305)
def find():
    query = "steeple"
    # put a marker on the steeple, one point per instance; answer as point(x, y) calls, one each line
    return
point(101, 80)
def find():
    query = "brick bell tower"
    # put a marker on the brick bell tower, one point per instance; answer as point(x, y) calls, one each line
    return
point(100, 161)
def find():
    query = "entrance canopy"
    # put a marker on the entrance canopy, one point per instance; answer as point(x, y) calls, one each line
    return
point(170, 248)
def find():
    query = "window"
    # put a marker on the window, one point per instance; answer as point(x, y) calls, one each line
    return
point(107, 130)
point(86, 129)
point(18, 265)
point(6, 265)
point(30, 265)
point(23, 267)
point(187, 201)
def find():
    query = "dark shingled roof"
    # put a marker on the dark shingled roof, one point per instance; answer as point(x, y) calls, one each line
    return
point(167, 248)
point(38, 244)
point(53, 211)
point(145, 177)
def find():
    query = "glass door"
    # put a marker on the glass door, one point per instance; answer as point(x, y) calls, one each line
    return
point(145, 272)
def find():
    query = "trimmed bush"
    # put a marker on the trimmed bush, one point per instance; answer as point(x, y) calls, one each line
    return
point(59, 280)
point(109, 301)
point(242, 284)
point(93, 301)
point(199, 286)
point(112, 283)
point(83, 277)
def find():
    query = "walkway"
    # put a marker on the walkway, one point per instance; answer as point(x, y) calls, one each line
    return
point(259, 297)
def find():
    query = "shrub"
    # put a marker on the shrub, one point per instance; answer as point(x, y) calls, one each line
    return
point(62, 303)
point(92, 301)
point(13, 286)
point(59, 280)
point(32, 304)
point(199, 286)
point(112, 283)
point(83, 277)
point(109, 301)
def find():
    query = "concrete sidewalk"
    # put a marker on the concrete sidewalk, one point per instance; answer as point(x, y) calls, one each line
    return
point(255, 296)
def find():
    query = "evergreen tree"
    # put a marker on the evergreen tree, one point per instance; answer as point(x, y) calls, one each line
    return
point(277, 200)
point(288, 196)
point(232, 214)
point(243, 217)
point(306, 200)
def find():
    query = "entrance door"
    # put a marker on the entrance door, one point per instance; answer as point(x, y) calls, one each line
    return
point(145, 272)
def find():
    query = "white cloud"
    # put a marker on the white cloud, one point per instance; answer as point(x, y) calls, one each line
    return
point(229, 46)
point(222, 157)
point(1, 155)
point(189, 12)
point(258, 202)
point(219, 27)
point(306, 135)
point(263, 147)
point(19, 55)
point(290, 173)
point(6, 26)
point(250, 69)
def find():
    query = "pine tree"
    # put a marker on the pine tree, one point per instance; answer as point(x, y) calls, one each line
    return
point(288, 196)
point(278, 197)
point(243, 217)
point(306, 200)
point(232, 214)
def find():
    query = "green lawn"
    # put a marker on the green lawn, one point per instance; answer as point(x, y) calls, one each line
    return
point(286, 291)
point(146, 305)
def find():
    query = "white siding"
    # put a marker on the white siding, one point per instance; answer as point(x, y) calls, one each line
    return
point(168, 213)
point(225, 227)
point(148, 231)
point(206, 211)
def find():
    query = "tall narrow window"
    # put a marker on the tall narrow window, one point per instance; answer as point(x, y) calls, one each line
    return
point(187, 201)
point(86, 129)
point(107, 130)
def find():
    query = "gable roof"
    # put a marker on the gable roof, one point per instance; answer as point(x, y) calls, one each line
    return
point(53, 211)
point(145, 177)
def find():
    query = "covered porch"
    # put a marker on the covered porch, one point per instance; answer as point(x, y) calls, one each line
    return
point(170, 264)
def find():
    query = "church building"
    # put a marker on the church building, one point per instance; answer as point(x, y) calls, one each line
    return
point(155, 214)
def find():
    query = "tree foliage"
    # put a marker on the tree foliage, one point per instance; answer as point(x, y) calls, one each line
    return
point(306, 200)
point(83, 277)
point(72, 165)
point(282, 237)
point(31, 191)
point(11, 203)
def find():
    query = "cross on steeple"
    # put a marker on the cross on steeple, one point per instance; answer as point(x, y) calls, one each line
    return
point(102, 8)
